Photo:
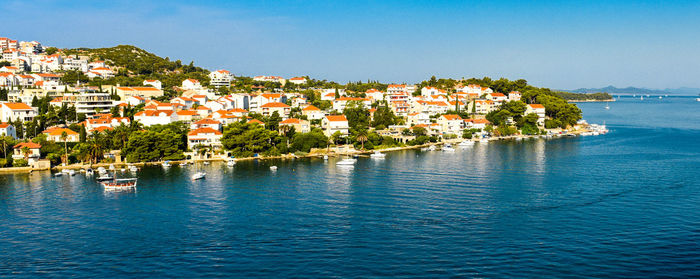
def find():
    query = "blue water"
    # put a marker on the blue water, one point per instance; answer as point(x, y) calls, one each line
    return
point(626, 204)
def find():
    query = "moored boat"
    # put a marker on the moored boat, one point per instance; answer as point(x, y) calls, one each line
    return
point(346, 162)
point(377, 155)
point(273, 168)
point(466, 143)
point(119, 184)
point(105, 177)
point(199, 175)
point(230, 162)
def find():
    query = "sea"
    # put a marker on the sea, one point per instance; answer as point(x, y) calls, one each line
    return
point(624, 204)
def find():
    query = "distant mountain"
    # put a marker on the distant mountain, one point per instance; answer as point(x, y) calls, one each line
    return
point(636, 90)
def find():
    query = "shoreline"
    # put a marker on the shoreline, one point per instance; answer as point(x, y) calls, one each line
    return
point(576, 132)
point(590, 101)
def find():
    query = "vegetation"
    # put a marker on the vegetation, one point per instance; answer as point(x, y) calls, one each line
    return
point(584, 96)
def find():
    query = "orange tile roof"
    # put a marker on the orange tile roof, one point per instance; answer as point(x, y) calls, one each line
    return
point(536, 106)
point(274, 105)
point(207, 121)
point(452, 117)
point(334, 118)
point(256, 121)
point(18, 106)
point(29, 145)
point(59, 131)
point(291, 121)
point(204, 130)
point(310, 108)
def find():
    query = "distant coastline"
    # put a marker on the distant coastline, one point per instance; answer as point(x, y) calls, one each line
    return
point(590, 101)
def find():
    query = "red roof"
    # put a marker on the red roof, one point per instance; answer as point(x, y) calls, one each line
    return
point(204, 130)
point(309, 108)
point(452, 117)
point(291, 121)
point(18, 106)
point(334, 118)
point(256, 121)
point(207, 121)
point(29, 145)
point(536, 106)
point(274, 105)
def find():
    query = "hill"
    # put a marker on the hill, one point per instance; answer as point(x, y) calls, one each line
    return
point(614, 90)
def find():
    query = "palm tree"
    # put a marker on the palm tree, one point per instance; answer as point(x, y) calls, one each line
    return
point(285, 129)
point(362, 137)
point(64, 138)
point(95, 150)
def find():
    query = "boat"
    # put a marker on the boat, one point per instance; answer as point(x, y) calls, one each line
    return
point(89, 172)
point(660, 97)
point(119, 184)
point(466, 143)
point(607, 106)
point(199, 175)
point(166, 164)
point(184, 164)
point(273, 168)
point(346, 162)
point(377, 155)
point(206, 163)
point(101, 170)
point(112, 168)
point(230, 162)
point(448, 148)
point(133, 168)
point(432, 148)
point(641, 98)
point(104, 177)
point(58, 174)
point(325, 157)
point(484, 140)
point(71, 172)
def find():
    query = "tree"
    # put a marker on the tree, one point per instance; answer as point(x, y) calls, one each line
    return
point(64, 138)
point(273, 121)
point(51, 50)
point(361, 136)
point(383, 116)
point(246, 139)
point(356, 114)
point(25, 152)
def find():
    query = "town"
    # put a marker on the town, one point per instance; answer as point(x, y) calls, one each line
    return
point(122, 104)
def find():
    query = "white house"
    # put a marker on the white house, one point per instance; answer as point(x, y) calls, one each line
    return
point(32, 156)
point(340, 103)
point(536, 109)
point(335, 123)
point(155, 117)
point(297, 80)
point(514, 96)
point(206, 123)
point(204, 136)
point(191, 84)
point(312, 113)
point(300, 125)
point(56, 134)
point(153, 82)
point(451, 124)
point(281, 108)
point(13, 111)
point(7, 130)
point(220, 78)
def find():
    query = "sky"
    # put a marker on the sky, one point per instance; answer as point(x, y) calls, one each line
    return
point(556, 44)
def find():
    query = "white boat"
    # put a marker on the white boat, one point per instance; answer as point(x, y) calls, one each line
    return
point(133, 168)
point(273, 168)
point(166, 164)
point(607, 106)
point(230, 162)
point(104, 177)
point(346, 162)
point(119, 184)
point(206, 163)
point(101, 170)
point(466, 143)
point(65, 171)
point(71, 172)
point(123, 170)
point(377, 155)
point(448, 149)
point(58, 174)
point(183, 164)
point(660, 97)
point(641, 98)
point(199, 175)
point(89, 172)
point(484, 140)
point(432, 148)
point(112, 168)
point(325, 157)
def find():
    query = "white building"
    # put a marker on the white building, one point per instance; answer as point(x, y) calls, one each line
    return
point(13, 111)
point(297, 80)
point(536, 109)
point(155, 117)
point(220, 78)
point(153, 82)
point(204, 136)
point(335, 123)
point(191, 84)
point(312, 113)
point(7, 130)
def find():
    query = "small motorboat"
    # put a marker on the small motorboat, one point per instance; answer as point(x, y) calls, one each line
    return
point(89, 172)
point(58, 174)
point(71, 172)
point(199, 175)
point(325, 157)
point(101, 170)
point(432, 148)
point(377, 155)
point(65, 171)
point(112, 168)
point(206, 163)
point(230, 162)
point(133, 169)
point(119, 184)
point(273, 168)
point(448, 148)
point(346, 162)
point(466, 143)
point(184, 164)
point(166, 164)
point(105, 177)
point(484, 140)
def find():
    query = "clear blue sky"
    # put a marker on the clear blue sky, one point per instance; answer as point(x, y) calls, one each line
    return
point(558, 44)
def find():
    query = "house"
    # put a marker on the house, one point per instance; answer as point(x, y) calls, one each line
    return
point(185, 101)
point(56, 134)
point(450, 124)
point(146, 92)
point(270, 79)
point(300, 125)
point(33, 154)
point(514, 96)
point(484, 106)
point(102, 72)
point(191, 84)
point(106, 122)
point(155, 117)
point(220, 78)
point(340, 103)
point(13, 111)
point(297, 80)
point(7, 130)
point(536, 109)
point(476, 123)
point(206, 123)
point(204, 136)
point(281, 108)
point(187, 115)
point(134, 100)
point(497, 98)
point(374, 95)
point(153, 82)
point(312, 112)
point(335, 123)
point(10, 69)
point(417, 118)
point(400, 89)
